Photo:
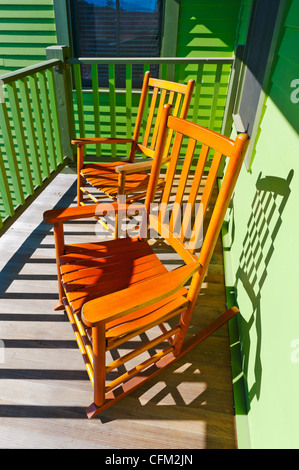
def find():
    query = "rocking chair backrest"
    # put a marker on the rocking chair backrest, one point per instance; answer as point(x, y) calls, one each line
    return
point(155, 94)
point(185, 204)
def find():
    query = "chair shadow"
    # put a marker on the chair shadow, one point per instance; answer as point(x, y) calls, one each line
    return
point(263, 226)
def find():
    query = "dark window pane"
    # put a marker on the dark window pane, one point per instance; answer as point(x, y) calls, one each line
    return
point(116, 28)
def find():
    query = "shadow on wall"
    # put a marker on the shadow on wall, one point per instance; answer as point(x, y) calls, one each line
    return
point(264, 223)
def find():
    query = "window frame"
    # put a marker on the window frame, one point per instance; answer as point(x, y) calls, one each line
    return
point(265, 86)
point(169, 33)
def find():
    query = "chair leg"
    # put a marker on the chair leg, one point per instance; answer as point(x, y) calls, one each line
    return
point(121, 199)
point(59, 306)
point(99, 356)
point(59, 244)
point(80, 157)
point(79, 192)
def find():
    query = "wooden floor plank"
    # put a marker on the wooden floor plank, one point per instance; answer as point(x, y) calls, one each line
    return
point(45, 389)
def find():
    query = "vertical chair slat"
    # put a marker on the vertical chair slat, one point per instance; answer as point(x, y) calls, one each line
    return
point(215, 96)
point(150, 117)
point(157, 123)
point(5, 189)
point(203, 156)
point(47, 120)
point(11, 154)
point(174, 113)
point(54, 114)
point(177, 105)
point(171, 98)
point(29, 125)
point(96, 105)
point(112, 101)
point(129, 86)
point(36, 105)
point(207, 193)
point(146, 68)
point(211, 180)
point(20, 135)
point(182, 184)
point(170, 176)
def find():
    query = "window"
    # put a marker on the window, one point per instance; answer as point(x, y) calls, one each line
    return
point(257, 49)
point(263, 31)
point(116, 28)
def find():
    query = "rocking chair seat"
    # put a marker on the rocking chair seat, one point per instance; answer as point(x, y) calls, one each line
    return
point(92, 270)
point(107, 167)
point(104, 177)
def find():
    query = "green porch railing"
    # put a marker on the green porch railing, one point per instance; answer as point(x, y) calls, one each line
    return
point(44, 106)
point(30, 135)
point(111, 110)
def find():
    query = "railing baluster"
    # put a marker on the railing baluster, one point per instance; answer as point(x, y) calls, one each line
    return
point(196, 101)
point(11, 154)
point(29, 125)
point(20, 136)
point(55, 117)
point(164, 71)
point(79, 96)
point(96, 106)
point(47, 119)
point(112, 100)
point(39, 126)
point(129, 86)
point(5, 190)
point(215, 96)
point(181, 73)
point(30, 130)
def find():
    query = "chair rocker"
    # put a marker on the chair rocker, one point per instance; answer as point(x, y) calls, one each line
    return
point(116, 290)
point(131, 178)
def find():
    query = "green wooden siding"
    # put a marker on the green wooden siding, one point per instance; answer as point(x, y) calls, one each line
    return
point(244, 15)
point(262, 239)
point(208, 29)
point(27, 27)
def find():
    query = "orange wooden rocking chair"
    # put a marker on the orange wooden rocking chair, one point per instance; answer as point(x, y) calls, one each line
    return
point(118, 289)
point(131, 178)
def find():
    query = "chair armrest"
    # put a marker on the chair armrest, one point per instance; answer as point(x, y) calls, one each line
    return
point(134, 167)
point(112, 306)
point(82, 212)
point(100, 140)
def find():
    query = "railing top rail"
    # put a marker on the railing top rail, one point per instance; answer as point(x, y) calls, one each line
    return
point(26, 71)
point(150, 60)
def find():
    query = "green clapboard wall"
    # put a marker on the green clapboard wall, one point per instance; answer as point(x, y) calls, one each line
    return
point(262, 240)
point(27, 27)
point(208, 29)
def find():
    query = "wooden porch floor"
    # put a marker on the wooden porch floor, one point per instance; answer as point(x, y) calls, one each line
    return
point(45, 389)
